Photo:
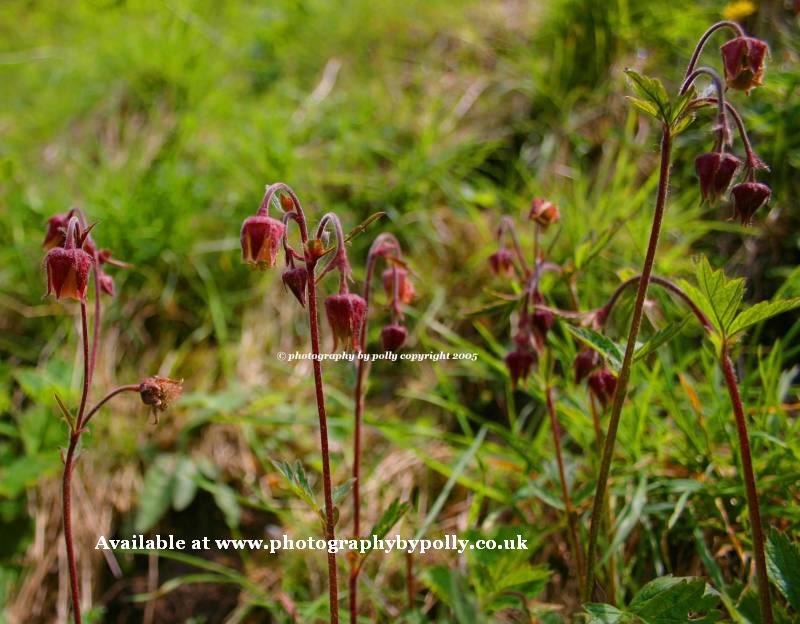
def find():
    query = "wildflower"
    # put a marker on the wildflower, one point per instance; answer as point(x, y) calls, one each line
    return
point(68, 272)
point(715, 171)
point(519, 363)
point(544, 212)
point(393, 336)
point(56, 230)
point(602, 384)
point(743, 60)
point(748, 197)
point(287, 203)
point(260, 238)
point(405, 288)
point(585, 362)
point(346, 312)
point(502, 262)
point(106, 283)
point(160, 392)
point(295, 279)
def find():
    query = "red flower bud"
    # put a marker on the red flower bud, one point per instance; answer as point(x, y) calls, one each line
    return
point(748, 197)
point(544, 212)
point(502, 262)
point(106, 283)
point(519, 363)
point(68, 272)
point(346, 312)
point(405, 288)
point(541, 322)
point(56, 231)
point(393, 337)
point(585, 362)
point(160, 392)
point(715, 171)
point(602, 384)
point(743, 59)
point(287, 203)
point(260, 238)
point(296, 280)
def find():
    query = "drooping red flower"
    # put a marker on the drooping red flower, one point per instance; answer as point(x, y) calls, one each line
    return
point(393, 336)
point(585, 362)
point(602, 384)
point(296, 279)
point(715, 171)
point(743, 59)
point(748, 197)
point(405, 287)
point(502, 262)
point(56, 230)
point(260, 239)
point(544, 212)
point(68, 273)
point(519, 363)
point(346, 312)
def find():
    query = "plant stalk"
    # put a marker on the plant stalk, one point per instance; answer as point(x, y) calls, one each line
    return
point(625, 370)
point(750, 486)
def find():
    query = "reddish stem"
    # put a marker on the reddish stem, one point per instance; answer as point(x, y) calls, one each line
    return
point(702, 43)
point(106, 399)
point(625, 370)
point(750, 486)
point(568, 507)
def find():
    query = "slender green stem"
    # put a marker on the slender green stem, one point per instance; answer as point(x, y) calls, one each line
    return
point(750, 486)
point(625, 370)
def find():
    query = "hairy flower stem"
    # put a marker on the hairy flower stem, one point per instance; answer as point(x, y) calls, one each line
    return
point(704, 39)
point(569, 509)
point(750, 486)
point(625, 371)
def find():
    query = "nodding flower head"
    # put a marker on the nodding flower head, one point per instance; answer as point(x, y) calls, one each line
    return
point(544, 212)
point(748, 197)
point(743, 59)
point(393, 337)
point(346, 312)
point(519, 363)
point(296, 279)
point(585, 362)
point(160, 392)
point(541, 322)
point(260, 238)
point(68, 266)
point(715, 171)
point(106, 283)
point(56, 230)
point(602, 384)
point(405, 288)
point(502, 262)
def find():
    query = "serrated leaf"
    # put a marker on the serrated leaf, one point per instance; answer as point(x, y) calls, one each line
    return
point(340, 491)
point(681, 106)
point(719, 296)
point(651, 90)
point(783, 566)
point(659, 338)
point(603, 614)
point(600, 343)
point(668, 599)
point(761, 312)
point(65, 412)
point(296, 477)
point(390, 517)
point(645, 106)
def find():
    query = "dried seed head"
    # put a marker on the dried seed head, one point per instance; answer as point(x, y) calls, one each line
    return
point(519, 363)
point(260, 239)
point(743, 59)
point(748, 197)
point(405, 287)
point(160, 392)
point(346, 312)
point(393, 337)
point(715, 171)
point(502, 262)
point(68, 272)
point(544, 212)
point(296, 279)
point(585, 362)
point(602, 384)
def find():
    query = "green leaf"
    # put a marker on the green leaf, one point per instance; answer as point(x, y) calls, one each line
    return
point(448, 586)
point(718, 296)
point(760, 312)
point(340, 491)
point(668, 599)
point(225, 499)
point(295, 475)
point(659, 338)
point(156, 494)
point(184, 485)
point(603, 614)
point(65, 412)
point(783, 566)
point(651, 90)
point(600, 343)
point(679, 107)
point(589, 249)
point(645, 106)
point(390, 517)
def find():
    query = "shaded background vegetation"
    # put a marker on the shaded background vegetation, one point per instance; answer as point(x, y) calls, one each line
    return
point(164, 120)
